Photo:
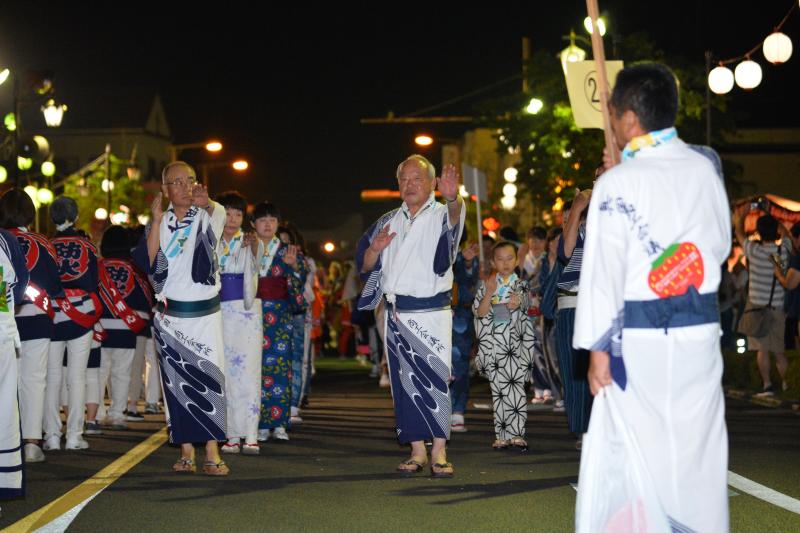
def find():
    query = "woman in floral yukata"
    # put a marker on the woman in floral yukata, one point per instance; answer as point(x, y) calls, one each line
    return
point(281, 276)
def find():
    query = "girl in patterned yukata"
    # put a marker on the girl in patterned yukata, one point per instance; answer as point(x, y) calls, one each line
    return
point(281, 276)
point(241, 328)
point(506, 342)
point(34, 316)
point(289, 235)
point(75, 319)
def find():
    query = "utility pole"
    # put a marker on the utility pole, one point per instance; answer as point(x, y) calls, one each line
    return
point(526, 55)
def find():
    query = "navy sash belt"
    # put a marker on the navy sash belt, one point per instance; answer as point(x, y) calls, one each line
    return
point(689, 309)
point(410, 304)
point(195, 309)
point(232, 287)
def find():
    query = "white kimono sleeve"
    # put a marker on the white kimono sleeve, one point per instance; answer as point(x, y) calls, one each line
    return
point(601, 293)
point(250, 277)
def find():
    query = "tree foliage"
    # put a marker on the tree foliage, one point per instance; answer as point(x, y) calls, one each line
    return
point(555, 156)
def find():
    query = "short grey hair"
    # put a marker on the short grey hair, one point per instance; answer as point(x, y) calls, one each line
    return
point(422, 160)
point(177, 164)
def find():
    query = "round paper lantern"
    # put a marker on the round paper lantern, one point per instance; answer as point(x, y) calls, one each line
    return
point(777, 48)
point(747, 74)
point(720, 80)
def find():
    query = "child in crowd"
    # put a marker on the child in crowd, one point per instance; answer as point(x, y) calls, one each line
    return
point(505, 344)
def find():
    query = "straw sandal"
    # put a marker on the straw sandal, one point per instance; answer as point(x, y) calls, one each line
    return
point(417, 467)
point(185, 466)
point(442, 470)
point(210, 468)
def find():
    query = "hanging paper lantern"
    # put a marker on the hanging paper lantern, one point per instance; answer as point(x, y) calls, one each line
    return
point(720, 80)
point(747, 74)
point(777, 48)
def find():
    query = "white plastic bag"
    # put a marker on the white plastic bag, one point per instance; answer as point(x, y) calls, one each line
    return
point(615, 491)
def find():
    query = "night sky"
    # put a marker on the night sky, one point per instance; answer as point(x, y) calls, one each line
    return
point(286, 88)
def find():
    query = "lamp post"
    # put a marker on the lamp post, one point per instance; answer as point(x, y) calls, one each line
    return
point(53, 113)
point(210, 146)
point(239, 165)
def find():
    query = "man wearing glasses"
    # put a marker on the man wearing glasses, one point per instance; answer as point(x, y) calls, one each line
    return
point(178, 251)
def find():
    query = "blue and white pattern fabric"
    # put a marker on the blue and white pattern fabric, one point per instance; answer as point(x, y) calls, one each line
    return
point(419, 368)
point(414, 275)
point(194, 386)
point(13, 281)
point(190, 350)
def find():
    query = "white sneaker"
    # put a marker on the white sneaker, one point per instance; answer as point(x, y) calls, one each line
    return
point(558, 407)
point(385, 381)
point(33, 454)
point(263, 435)
point(52, 442)
point(76, 443)
point(280, 433)
point(457, 424)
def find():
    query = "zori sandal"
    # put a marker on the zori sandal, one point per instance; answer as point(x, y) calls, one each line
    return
point(519, 442)
point(417, 467)
point(442, 470)
point(184, 465)
point(210, 468)
point(500, 444)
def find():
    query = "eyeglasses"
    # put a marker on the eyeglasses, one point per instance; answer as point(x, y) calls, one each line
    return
point(415, 180)
point(187, 182)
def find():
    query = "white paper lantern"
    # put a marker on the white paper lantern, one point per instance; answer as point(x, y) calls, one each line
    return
point(509, 189)
point(777, 48)
point(508, 202)
point(720, 80)
point(510, 174)
point(100, 213)
point(747, 74)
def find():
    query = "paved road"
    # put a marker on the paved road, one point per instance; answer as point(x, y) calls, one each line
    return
point(337, 475)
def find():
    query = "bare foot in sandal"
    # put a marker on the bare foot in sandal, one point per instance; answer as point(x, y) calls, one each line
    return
point(414, 465)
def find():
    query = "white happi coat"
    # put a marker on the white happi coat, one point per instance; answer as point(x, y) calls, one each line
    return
point(243, 337)
point(666, 395)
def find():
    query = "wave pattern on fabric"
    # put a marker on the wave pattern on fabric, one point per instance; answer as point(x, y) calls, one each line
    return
point(419, 376)
point(194, 390)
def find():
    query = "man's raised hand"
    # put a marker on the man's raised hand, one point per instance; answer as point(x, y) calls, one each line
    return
point(448, 183)
point(156, 210)
point(382, 240)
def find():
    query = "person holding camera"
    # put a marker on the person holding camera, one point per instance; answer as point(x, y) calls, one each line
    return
point(764, 320)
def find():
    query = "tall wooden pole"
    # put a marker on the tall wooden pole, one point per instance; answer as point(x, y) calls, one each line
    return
point(602, 79)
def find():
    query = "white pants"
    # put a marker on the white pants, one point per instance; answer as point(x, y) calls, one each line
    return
point(10, 451)
point(116, 363)
point(137, 371)
point(77, 358)
point(152, 380)
point(32, 371)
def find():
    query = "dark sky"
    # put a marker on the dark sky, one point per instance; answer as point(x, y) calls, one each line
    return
point(286, 87)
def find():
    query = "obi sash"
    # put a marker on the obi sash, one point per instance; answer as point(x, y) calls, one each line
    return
point(688, 309)
point(411, 304)
point(273, 288)
point(232, 287)
point(194, 309)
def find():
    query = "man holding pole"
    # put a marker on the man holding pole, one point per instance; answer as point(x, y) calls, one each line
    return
point(658, 227)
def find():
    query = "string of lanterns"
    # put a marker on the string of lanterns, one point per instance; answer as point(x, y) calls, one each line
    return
point(777, 49)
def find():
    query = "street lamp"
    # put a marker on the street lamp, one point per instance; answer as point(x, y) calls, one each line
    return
point(239, 165)
point(210, 146)
point(53, 113)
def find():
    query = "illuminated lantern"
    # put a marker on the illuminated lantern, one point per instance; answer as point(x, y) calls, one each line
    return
point(777, 48)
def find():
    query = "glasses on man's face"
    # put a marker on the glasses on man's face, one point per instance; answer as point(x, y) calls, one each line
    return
point(416, 180)
point(187, 182)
